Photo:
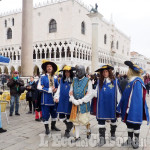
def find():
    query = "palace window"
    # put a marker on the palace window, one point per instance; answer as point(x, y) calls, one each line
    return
point(13, 22)
point(83, 27)
point(5, 23)
point(9, 33)
point(105, 39)
point(52, 26)
point(117, 45)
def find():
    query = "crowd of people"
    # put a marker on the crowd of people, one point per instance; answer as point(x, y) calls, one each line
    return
point(73, 96)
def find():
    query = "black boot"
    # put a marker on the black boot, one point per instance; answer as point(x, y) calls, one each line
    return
point(69, 126)
point(128, 143)
point(135, 143)
point(102, 137)
point(112, 131)
point(2, 130)
point(53, 127)
point(47, 129)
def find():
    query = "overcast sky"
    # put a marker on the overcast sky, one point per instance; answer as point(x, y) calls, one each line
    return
point(132, 17)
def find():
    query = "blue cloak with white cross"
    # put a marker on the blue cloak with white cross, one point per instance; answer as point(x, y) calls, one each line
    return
point(107, 101)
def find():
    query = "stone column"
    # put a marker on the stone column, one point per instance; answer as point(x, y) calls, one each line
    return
point(95, 18)
point(27, 38)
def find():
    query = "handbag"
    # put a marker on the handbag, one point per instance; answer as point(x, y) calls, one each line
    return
point(29, 95)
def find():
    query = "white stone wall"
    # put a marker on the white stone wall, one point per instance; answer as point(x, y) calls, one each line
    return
point(69, 15)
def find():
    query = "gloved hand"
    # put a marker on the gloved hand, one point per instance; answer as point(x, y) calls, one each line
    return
point(76, 102)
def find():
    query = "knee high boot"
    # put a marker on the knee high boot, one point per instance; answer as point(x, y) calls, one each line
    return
point(112, 131)
point(135, 143)
point(129, 140)
point(47, 129)
point(53, 126)
point(102, 137)
point(69, 126)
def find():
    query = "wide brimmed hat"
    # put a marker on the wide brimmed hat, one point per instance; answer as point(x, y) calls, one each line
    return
point(67, 68)
point(134, 67)
point(105, 67)
point(47, 62)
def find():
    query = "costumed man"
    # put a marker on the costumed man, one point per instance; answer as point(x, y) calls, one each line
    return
point(1, 129)
point(133, 106)
point(62, 98)
point(80, 96)
point(48, 85)
point(108, 95)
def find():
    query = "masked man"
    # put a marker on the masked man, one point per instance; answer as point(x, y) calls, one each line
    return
point(48, 85)
point(80, 96)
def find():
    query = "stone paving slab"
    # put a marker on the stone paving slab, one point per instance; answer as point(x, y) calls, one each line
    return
point(24, 133)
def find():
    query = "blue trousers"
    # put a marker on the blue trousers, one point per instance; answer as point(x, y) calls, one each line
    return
point(14, 100)
point(48, 111)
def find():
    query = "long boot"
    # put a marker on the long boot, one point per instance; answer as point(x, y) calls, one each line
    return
point(135, 143)
point(53, 126)
point(88, 131)
point(102, 137)
point(69, 126)
point(112, 131)
point(47, 129)
point(129, 140)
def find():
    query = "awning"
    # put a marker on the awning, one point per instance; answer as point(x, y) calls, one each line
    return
point(4, 59)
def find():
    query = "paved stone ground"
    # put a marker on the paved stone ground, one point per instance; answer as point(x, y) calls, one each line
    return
point(24, 133)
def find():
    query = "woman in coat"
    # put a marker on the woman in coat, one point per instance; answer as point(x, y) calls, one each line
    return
point(31, 94)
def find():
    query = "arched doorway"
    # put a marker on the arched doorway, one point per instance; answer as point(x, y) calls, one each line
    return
point(19, 70)
point(12, 69)
point(87, 70)
point(6, 70)
point(36, 71)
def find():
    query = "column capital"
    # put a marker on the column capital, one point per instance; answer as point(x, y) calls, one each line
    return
point(95, 17)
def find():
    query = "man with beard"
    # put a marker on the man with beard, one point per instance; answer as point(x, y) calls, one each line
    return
point(80, 96)
point(48, 85)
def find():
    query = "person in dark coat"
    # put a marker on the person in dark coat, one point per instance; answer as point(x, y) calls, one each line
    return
point(38, 111)
point(15, 84)
point(123, 83)
point(31, 94)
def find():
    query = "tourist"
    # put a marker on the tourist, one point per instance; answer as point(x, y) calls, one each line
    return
point(147, 83)
point(38, 111)
point(15, 84)
point(31, 94)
